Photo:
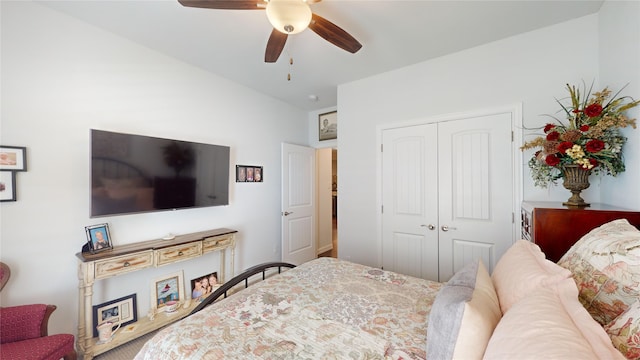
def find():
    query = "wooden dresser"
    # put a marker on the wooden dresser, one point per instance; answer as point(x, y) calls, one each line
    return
point(133, 257)
point(555, 228)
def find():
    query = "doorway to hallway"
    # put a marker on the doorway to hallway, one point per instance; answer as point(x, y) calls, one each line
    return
point(327, 161)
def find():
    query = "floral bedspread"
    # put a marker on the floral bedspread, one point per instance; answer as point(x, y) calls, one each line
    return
point(324, 309)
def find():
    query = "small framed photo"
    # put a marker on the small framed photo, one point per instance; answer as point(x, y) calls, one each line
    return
point(7, 186)
point(98, 237)
point(249, 173)
point(13, 158)
point(123, 311)
point(328, 126)
point(241, 173)
point(167, 292)
point(203, 286)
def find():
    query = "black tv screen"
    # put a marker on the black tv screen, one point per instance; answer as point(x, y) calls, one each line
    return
point(135, 173)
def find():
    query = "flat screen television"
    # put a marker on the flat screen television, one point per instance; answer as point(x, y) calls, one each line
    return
point(135, 173)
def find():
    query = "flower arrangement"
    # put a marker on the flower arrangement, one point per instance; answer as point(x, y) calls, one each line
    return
point(591, 139)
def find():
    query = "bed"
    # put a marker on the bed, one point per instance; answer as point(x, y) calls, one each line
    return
point(528, 308)
point(326, 308)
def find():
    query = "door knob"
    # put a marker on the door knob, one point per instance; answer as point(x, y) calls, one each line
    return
point(430, 226)
point(447, 228)
point(286, 213)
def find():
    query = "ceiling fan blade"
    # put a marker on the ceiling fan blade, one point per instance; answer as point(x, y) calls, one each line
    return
point(334, 34)
point(224, 4)
point(274, 46)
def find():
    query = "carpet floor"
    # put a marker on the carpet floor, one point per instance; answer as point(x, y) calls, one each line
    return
point(127, 351)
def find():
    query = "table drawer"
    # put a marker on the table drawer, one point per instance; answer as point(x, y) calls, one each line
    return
point(215, 243)
point(123, 264)
point(178, 253)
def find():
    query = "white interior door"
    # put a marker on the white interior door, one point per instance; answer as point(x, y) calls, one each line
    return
point(410, 200)
point(475, 169)
point(298, 204)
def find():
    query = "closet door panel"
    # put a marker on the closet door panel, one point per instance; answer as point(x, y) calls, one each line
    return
point(475, 190)
point(410, 201)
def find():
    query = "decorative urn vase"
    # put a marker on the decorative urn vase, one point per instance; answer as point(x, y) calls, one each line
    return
point(576, 179)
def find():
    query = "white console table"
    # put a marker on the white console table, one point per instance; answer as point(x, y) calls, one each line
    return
point(128, 258)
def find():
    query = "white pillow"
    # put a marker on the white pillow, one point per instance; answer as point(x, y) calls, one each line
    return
point(463, 315)
point(522, 270)
point(550, 324)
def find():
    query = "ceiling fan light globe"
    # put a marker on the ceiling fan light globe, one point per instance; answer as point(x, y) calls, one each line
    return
point(289, 16)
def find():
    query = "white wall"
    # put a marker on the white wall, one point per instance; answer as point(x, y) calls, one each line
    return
point(619, 46)
point(531, 68)
point(61, 77)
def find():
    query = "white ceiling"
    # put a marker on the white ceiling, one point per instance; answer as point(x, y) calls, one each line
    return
point(394, 34)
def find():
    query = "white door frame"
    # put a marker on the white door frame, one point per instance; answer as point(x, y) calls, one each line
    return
point(516, 116)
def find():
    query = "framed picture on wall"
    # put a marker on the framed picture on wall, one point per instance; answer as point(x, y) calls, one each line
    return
point(328, 126)
point(7, 186)
point(249, 173)
point(13, 158)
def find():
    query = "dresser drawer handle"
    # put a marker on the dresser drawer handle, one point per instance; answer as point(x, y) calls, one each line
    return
point(180, 253)
point(127, 264)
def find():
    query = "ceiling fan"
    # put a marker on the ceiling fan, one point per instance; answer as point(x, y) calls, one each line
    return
point(287, 17)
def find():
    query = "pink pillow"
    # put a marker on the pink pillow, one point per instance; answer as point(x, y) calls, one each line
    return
point(624, 331)
point(522, 270)
point(550, 324)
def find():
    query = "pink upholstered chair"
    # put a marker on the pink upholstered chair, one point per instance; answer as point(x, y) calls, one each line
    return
point(23, 331)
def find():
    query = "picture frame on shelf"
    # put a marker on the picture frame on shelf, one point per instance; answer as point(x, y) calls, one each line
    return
point(328, 126)
point(13, 158)
point(203, 286)
point(122, 311)
point(167, 292)
point(249, 173)
point(98, 237)
point(7, 186)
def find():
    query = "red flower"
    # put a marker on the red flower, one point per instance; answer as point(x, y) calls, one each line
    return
point(594, 146)
point(564, 146)
point(593, 162)
point(584, 128)
point(548, 127)
point(553, 136)
point(552, 160)
point(593, 110)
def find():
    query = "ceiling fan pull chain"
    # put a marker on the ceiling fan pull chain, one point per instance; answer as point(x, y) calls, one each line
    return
point(290, 65)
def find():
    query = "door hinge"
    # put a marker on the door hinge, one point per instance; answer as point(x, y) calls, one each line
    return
point(512, 136)
point(382, 209)
point(513, 218)
point(381, 147)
